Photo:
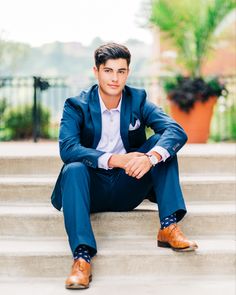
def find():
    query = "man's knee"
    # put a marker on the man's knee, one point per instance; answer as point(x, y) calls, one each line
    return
point(74, 168)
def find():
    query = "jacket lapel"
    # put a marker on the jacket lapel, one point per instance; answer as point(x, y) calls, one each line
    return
point(125, 118)
point(95, 112)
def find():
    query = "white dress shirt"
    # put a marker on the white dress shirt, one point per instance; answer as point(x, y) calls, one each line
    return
point(111, 142)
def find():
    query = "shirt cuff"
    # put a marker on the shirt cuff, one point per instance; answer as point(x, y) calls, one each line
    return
point(163, 152)
point(103, 161)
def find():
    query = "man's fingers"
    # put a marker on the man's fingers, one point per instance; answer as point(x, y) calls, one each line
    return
point(129, 166)
point(140, 174)
point(136, 170)
point(137, 167)
point(130, 170)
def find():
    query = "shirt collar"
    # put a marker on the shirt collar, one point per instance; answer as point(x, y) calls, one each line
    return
point(103, 107)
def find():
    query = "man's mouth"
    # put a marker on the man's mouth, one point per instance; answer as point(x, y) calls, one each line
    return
point(113, 85)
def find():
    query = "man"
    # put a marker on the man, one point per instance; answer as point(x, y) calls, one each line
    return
point(109, 163)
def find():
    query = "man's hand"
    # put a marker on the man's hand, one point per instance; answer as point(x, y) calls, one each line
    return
point(138, 166)
point(120, 161)
point(135, 164)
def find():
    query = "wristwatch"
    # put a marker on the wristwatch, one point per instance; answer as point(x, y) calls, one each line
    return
point(153, 159)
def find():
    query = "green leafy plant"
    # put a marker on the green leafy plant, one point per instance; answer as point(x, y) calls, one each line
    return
point(18, 122)
point(190, 27)
point(3, 106)
point(185, 91)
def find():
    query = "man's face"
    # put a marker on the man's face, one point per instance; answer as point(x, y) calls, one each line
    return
point(112, 76)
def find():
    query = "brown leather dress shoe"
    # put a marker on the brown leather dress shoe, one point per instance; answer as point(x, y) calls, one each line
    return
point(172, 237)
point(80, 276)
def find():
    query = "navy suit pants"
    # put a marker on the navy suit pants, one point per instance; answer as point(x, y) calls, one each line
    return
point(87, 190)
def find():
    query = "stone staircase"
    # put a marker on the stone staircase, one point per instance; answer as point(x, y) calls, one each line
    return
point(34, 253)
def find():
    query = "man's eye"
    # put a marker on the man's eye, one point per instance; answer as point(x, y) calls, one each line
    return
point(107, 71)
point(121, 72)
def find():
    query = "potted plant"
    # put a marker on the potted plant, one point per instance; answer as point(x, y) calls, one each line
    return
point(190, 26)
point(191, 103)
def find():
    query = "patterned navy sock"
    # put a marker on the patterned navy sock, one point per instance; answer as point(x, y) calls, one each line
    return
point(82, 251)
point(165, 222)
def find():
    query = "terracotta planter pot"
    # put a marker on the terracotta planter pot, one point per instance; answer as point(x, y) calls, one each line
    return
point(196, 123)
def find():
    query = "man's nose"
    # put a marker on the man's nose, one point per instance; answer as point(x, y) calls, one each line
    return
point(114, 77)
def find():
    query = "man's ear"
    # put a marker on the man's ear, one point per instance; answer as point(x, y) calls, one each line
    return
point(95, 71)
point(129, 71)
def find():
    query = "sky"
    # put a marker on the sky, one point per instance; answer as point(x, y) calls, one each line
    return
point(44, 21)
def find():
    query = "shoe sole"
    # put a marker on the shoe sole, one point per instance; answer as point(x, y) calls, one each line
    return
point(167, 245)
point(78, 286)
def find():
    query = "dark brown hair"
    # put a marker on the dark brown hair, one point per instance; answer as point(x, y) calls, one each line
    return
point(111, 51)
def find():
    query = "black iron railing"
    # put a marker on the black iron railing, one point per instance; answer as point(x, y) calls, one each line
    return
point(44, 98)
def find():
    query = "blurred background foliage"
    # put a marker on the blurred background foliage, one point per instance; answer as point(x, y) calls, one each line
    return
point(210, 52)
point(18, 122)
point(191, 28)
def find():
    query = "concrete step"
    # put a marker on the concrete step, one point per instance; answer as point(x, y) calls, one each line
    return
point(151, 285)
point(205, 219)
point(208, 159)
point(29, 189)
point(43, 158)
point(122, 285)
point(26, 189)
point(129, 256)
point(44, 165)
point(25, 165)
point(210, 188)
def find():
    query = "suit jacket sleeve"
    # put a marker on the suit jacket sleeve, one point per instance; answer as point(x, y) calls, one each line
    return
point(172, 136)
point(70, 146)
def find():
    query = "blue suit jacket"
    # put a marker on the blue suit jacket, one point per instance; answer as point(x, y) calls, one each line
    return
point(80, 129)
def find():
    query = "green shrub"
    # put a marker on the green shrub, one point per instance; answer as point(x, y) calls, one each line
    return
point(223, 126)
point(3, 106)
point(18, 122)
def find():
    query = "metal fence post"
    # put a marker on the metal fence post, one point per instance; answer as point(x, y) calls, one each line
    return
point(39, 86)
point(35, 110)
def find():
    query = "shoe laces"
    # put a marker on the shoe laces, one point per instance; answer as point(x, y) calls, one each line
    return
point(78, 265)
point(176, 229)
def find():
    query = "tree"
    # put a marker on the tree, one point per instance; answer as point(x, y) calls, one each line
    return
point(191, 26)
point(11, 55)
